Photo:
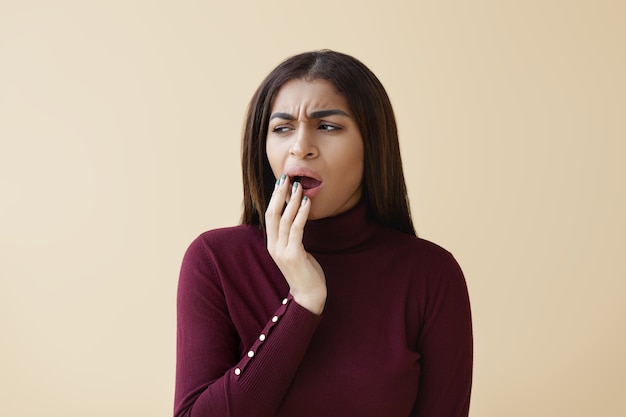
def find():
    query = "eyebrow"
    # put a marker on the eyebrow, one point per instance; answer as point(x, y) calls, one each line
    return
point(320, 114)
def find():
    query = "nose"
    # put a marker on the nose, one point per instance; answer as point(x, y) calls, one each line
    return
point(304, 146)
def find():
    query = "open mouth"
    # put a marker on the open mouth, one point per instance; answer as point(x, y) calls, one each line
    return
point(306, 182)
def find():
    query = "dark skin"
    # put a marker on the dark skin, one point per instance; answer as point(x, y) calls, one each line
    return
point(285, 229)
point(312, 138)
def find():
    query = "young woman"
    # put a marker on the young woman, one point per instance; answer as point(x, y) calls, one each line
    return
point(323, 302)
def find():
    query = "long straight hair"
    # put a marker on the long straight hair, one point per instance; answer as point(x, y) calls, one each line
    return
point(384, 188)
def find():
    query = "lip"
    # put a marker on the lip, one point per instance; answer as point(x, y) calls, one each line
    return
point(300, 171)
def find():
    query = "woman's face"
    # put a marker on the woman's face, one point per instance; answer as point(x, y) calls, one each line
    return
point(314, 139)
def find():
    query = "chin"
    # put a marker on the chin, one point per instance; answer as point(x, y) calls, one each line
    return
point(321, 214)
point(314, 216)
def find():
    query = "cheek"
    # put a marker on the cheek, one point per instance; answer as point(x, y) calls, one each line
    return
point(354, 168)
point(274, 158)
point(356, 174)
point(350, 173)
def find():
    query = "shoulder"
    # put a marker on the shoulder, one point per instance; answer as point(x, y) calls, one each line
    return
point(433, 268)
point(428, 261)
point(418, 249)
point(234, 234)
point(217, 253)
point(225, 243)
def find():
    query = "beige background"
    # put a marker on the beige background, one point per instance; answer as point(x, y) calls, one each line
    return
point(120, 124)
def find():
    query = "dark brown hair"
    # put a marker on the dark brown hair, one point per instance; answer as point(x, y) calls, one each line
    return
point(384, 189)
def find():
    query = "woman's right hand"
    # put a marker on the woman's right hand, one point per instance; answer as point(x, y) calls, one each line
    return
point(285, 229)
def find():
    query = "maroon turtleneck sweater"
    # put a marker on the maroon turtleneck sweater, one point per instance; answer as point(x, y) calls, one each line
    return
point(395, 338)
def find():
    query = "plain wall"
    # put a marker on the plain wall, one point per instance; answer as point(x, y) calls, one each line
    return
point(120, 127)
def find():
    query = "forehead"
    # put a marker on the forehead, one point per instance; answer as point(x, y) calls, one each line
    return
point(310, 94)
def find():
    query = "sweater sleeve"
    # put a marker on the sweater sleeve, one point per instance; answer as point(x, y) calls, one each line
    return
point(446, 346)
point(212, 378)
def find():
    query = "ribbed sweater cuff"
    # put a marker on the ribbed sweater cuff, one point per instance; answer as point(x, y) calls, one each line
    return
point(277, 358)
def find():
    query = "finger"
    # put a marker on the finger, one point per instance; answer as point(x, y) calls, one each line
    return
point(275, 209)
point(290, 213)
point(297, 227)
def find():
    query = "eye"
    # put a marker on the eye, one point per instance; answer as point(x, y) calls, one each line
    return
point(328, 127)
point(281, 129)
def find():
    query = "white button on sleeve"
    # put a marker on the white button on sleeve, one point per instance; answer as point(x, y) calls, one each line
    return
point(251, 354)
point(237, 371)
point(274, 319)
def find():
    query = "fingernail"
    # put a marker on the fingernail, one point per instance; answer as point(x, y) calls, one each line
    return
point(295, 186)
point(282, 179)
point(305, 200)
point(276, 184)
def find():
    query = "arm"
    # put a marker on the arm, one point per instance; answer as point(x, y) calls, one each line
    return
point(285, 229)
point(212, 378)
point(446, 346)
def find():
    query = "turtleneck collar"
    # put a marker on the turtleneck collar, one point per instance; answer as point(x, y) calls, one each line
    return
point(343, 232)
